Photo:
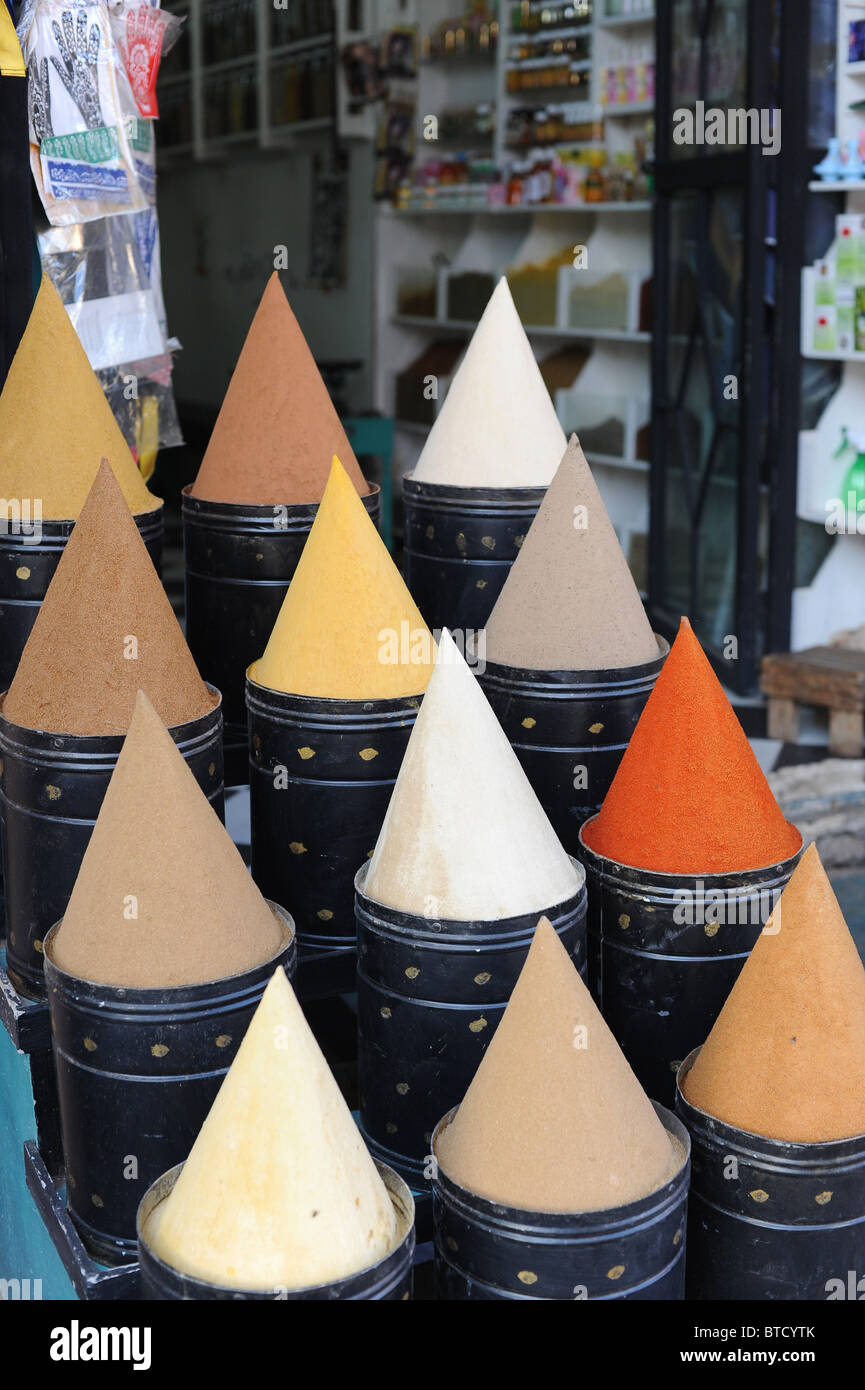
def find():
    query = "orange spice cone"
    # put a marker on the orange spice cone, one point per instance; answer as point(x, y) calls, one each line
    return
point(689, 795)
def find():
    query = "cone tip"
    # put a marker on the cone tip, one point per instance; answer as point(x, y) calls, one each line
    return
point(446, 647)
point(144, 709)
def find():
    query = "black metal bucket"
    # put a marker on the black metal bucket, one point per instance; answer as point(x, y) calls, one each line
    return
point(388, 1281)
point(460, 543)
point(26, 570)
point(51, 789)
point(430, 996)
point(321, 776)
point(137, 1073)
point(569, 730)
point(770, 1219)
point(240, 561)
point(487, 1251)
point(660, 964)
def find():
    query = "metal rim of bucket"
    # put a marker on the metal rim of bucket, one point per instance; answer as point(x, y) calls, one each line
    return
point(100, 998)
point(374, 1282)
point(501, 932)
point(258, 518)
point(325, 712)
point(55, 533)
point(96, 752)
point(790, 1156)
point(490, 501)
point(665, 884)
point(572, 684)
point(493, 1250)
point(572, 1228)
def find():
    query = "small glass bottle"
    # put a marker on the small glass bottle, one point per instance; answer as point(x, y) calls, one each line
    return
point(515, 186)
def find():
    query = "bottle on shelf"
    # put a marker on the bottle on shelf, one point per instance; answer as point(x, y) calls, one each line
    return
point(516, 184)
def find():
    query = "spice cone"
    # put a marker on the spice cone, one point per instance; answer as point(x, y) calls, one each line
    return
point(279, 1190)
point(162, 897)
point(55, 423)
point(339, 631)
point(464, 836)
point(570, 602)
point(689, 796)
point(554, 1119)
point(497, 426)
point(277, 429)
point(786, 1057)
point(105, 629)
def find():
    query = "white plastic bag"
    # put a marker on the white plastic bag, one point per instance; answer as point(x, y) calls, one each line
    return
point(107, 273)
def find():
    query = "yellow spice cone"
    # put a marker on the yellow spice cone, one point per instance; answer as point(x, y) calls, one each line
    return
point(55, 423)
point(279, 1190)
point(348, 627)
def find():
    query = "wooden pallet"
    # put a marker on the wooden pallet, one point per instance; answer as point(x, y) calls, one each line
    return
point(830, 678)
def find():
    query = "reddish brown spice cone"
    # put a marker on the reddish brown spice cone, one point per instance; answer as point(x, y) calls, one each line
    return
point(689, 796)
point(786, 1057)
point(277, 430)
point(105, 630)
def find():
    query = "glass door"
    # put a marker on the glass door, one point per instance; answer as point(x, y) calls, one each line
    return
point(713, 484)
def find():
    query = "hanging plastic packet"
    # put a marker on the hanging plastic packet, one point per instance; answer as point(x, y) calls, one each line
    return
point(88, 158)
point(107, 274)
point(142, 399)
point(145, 229)
point(144, 33)
point(142, 145)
